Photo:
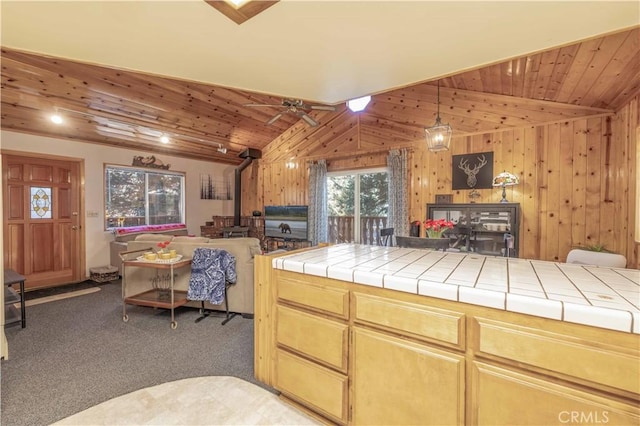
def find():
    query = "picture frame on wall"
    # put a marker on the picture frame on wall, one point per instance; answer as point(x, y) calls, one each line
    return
point(472, 171)
point(215, 187)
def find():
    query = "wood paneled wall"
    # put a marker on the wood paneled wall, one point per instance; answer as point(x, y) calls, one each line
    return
point(578, 181)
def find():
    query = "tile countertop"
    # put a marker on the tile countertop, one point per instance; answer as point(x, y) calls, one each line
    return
point(591, 295)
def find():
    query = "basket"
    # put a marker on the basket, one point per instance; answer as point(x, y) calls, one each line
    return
point(104, 274)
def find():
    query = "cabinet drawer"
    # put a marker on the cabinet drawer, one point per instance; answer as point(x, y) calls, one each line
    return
point(504, 397)
point(322, 339)
point(316, 387)
point(411, 319)
point(592, 361)
point(326, 299)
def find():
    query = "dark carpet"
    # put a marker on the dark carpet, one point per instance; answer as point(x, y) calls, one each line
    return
point(77, 352)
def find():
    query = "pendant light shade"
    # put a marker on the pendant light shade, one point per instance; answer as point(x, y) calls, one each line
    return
point(439, 135)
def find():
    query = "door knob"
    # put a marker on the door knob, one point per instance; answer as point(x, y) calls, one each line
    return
point(74, 227)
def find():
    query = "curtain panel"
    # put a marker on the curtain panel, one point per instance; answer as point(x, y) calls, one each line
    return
point(398, 217)
point(318, 210)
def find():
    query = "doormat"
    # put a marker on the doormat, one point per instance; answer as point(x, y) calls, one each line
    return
point(60, 296)
point(48, 294)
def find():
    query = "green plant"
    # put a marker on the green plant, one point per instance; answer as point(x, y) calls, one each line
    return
point(595, 247)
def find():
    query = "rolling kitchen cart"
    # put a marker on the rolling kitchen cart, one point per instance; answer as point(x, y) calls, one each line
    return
point(157, 296)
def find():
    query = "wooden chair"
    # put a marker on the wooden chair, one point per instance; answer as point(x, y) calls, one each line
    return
point(385, 238)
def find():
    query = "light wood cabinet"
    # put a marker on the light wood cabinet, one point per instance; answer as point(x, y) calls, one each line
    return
point(318, 388)
point(413, 320)
point(400, 382)
point(567, 357)
point(312, 338)
point(362, 355)
point(318, 297)
point(323, 340)
point(502, 396)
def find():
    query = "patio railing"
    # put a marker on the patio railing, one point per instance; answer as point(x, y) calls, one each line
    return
point(341, 229)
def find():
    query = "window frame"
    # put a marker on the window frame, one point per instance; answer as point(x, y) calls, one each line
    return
point(147, 172)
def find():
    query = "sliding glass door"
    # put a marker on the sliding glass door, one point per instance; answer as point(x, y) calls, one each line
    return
point(358, 204)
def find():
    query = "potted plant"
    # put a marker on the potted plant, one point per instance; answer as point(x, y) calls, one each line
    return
point(435, 228)
point(596, 254)
point(434, 233)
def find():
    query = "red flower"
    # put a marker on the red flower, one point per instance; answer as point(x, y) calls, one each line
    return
point(163, 244)
point(435, 228)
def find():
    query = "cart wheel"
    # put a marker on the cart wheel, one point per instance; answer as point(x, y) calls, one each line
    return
point(174, 325)
point(125, 318)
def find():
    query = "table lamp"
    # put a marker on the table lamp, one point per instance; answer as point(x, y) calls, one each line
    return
point(505, 179)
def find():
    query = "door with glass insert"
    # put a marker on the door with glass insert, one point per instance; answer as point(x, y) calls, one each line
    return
point(41, 209)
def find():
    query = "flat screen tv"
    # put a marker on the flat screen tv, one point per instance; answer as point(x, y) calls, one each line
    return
point(289, 222)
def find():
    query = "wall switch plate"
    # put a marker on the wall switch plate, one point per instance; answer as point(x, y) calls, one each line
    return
point(91, 213)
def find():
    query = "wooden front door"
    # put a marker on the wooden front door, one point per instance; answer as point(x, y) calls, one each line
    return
point(42, 221)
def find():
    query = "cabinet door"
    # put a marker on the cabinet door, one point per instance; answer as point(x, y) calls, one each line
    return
point(505, 397)
point(399, 382)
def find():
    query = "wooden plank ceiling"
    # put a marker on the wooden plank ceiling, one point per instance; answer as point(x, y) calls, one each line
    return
point(131, 110)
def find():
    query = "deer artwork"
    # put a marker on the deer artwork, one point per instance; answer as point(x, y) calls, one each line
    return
point(472, 172)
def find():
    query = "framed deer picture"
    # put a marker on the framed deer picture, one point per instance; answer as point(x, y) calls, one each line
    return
point(472, 171)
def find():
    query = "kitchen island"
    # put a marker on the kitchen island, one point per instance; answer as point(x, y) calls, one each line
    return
point(380, 335)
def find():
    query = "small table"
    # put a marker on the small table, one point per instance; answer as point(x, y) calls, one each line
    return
point(154, 297)
point(12, 277)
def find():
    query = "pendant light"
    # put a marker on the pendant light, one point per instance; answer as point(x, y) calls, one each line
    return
point(439, 135)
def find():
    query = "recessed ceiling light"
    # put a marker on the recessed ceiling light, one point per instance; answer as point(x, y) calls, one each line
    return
point(164, 139)
point(56, 119)
point(236, 3)
point(359, 104)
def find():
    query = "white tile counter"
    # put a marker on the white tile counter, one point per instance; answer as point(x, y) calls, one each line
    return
point(596, 296)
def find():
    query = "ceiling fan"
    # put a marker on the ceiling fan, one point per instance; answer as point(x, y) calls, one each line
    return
point(295, 107)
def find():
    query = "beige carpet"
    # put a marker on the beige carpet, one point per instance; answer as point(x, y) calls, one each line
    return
point(213, 400)
point(60, 296)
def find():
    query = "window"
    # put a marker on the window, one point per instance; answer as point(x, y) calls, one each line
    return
point(135, 197)
point(358, 204)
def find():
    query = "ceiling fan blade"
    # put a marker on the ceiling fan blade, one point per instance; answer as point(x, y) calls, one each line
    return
point(310, 121)
point(274, 118)
point(323, 107)
point(262, 105)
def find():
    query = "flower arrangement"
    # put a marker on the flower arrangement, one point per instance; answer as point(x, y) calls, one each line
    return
point(435, 228)
point(162, 245)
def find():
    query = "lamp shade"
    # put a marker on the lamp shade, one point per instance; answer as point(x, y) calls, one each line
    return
point(438, 136)
point(506, 179)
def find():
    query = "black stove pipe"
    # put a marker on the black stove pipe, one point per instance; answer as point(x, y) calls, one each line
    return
point(249, 155)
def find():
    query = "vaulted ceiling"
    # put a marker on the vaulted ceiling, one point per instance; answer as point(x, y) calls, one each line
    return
point(112, 106)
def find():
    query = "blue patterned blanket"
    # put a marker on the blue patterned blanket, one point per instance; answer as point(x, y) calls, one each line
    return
point(211, 269)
